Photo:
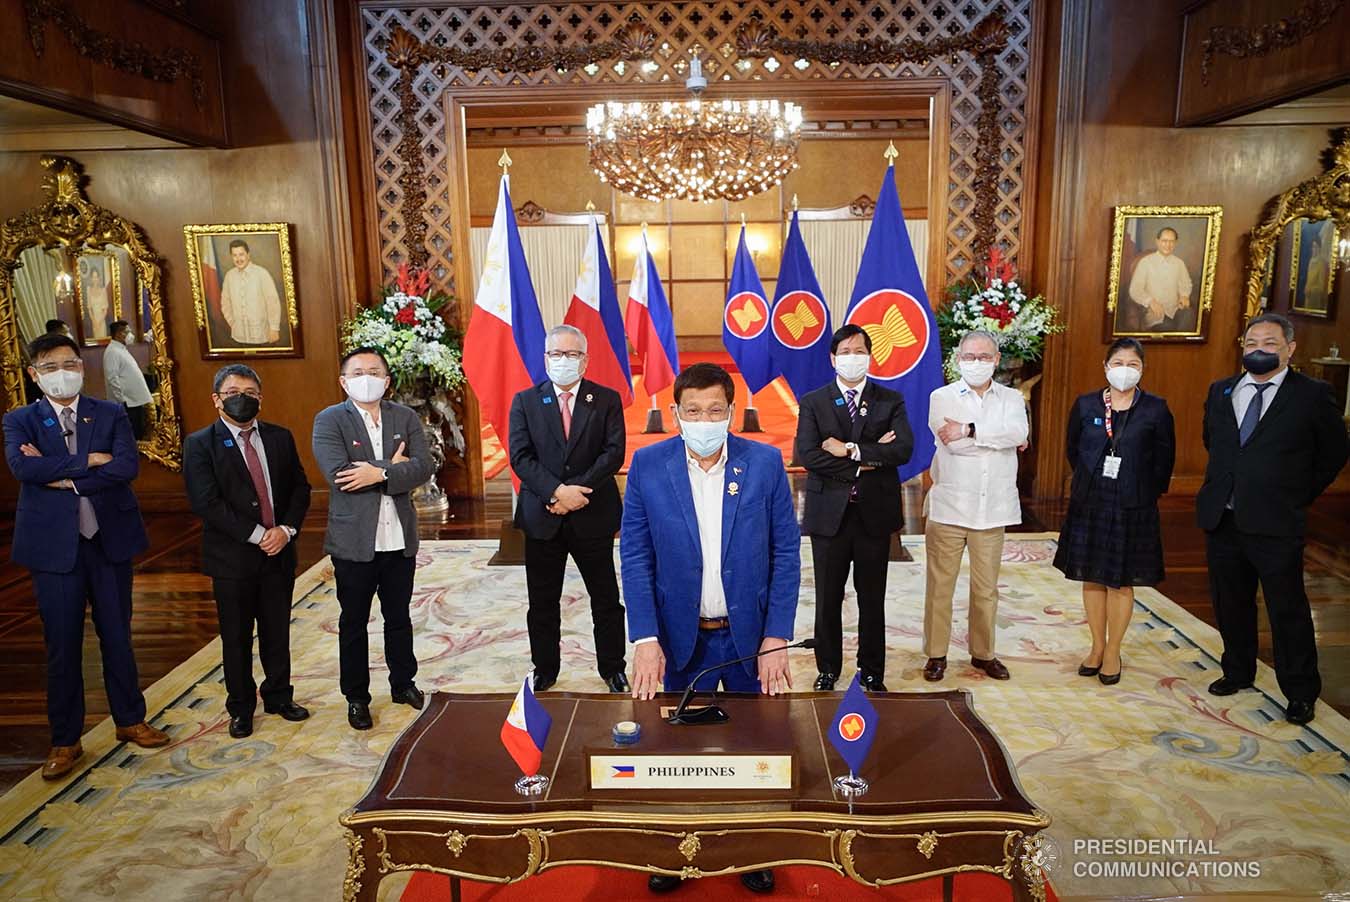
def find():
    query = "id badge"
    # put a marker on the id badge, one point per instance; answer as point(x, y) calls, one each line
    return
point(1111, 467)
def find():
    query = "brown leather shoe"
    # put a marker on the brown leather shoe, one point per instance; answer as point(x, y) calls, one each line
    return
point(144, 735)
point(934, 670)
point(993, 667)
point(61, 761)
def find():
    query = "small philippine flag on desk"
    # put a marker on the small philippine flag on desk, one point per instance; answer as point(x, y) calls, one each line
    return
point(623, 771)
point(526, 729)
point(855, 726)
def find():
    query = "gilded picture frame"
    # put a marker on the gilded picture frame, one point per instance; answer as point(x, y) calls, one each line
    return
point(1161, 278)
point(1312, 266)
point(243, 289)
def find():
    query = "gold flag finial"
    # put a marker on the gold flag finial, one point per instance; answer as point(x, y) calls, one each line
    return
point(504, 161)
point(891, 153)
point(742, 220)
point(794, 203)
point(590, 207)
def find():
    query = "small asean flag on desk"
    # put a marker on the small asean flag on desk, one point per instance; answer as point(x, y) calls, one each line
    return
point(855, 726)
point(526, 729)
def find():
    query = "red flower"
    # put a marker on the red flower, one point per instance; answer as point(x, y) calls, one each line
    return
point(407, 315)
point(413, 282)
point(997, 267)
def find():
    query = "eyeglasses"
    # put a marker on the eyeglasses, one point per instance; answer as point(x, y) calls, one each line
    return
point(977, 358)
point(711, 415)
point(555, 356)
point(70, 366)
point(234, 393)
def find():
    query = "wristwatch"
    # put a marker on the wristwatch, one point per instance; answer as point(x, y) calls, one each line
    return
point(290, 530)
point(970, 430)
point(850, 447)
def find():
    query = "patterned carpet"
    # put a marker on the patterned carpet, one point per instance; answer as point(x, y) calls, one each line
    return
point(1153, 758)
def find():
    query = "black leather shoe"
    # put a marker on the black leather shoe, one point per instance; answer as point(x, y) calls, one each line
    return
point(663, 883)
point(241, 726)
point(1224, 686)
point(544, 681)
point(825, 682)
point(935, 669)
point(618, 683)
point(410, 696)
point(993, 667)
point(871, 682)
point(289, 711)
point(758, 881)
point(1299, 712)
point(358, 715)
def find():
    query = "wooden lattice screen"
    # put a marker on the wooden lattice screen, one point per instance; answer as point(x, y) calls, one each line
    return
point(712, 28)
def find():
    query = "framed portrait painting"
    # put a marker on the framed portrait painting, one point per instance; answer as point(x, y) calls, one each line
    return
point(1161, 283)
point(243, 289)
point(1312, 266)
point(99, 289)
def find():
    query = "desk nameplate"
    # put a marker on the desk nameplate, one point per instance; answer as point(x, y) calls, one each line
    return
point(690, 771)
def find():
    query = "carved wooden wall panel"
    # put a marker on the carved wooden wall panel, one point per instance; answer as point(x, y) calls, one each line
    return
point(712, 28)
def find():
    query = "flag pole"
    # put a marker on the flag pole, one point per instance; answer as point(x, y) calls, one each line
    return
point(749, 419)
point(654, 422)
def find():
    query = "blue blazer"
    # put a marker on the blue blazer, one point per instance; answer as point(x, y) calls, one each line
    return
point(47, 521)
point(662, 560)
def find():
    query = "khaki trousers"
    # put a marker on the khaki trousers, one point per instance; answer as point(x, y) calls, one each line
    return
point(944, 545)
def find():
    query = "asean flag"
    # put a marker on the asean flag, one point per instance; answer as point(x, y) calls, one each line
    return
point(650, 325)
point(595, 311)
point(854, 727)
point(526, 730)
point(800, 322)
point(745, 322)
point(504, 344)
point(890, 303)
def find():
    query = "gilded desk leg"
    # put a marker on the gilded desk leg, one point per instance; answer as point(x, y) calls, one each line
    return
point(358, 885)
point(1027, 877)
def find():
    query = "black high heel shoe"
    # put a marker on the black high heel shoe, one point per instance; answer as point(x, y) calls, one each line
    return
point(1086, 671)
point(1110, 679)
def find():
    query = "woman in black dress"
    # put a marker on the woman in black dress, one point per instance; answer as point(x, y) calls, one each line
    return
point(1121, 445)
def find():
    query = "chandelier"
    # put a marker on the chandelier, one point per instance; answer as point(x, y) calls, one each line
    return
point(699, 150)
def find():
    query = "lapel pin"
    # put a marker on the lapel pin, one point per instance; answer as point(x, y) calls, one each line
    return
point(590, 398)
point(356, 443)
point(838, 402)
point(229, 443)
point(88, 419)
point(548, 399)
point(733, 488)
point(862, 412)
point(49, 422)
point(398, 435)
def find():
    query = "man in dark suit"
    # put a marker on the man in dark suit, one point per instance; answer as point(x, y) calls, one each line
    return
point(245, 480)
point(1276, 440)
point(567, 442)
point(852, 434)
point(373, 453)
point(76, 529)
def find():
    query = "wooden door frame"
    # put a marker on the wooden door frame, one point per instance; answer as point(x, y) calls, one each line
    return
point(456, 102)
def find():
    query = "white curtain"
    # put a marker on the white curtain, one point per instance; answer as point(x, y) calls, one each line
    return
point(553, 254)
point(33, 286)
point(836, 248)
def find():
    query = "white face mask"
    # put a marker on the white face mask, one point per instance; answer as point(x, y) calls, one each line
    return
point(852, 367)
point(976, 372)
point(703, 437)
point(564, 371)
point(61, 384)
point(1123, 378)
point(128, 339)
point(366, 389)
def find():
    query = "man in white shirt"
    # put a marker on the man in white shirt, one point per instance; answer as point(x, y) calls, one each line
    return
point(1161, 284)
point(124, 380)
point(979, 426)
point(249, 300)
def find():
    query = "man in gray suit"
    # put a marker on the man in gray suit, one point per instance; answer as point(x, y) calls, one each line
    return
point(373, 453)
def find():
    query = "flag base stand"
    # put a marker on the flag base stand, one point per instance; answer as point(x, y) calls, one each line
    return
point(533, 785)
point(654, 423)
point(898, 550)
point(750, 423)
point(850, 786)
point(510, 547)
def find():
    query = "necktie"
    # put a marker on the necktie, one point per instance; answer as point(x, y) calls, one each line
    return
point(256, 472)
point(566, 413)
point(1253, 414)
point(88, 519)
point(852, 407)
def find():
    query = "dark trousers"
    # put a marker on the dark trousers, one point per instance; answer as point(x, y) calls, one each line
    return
point(138, 418)
point(712, 647)
point(868, 554)
point(264, 599)
point(545, 562)
point(389, 575)
point(105, 586)
point(1237, 561)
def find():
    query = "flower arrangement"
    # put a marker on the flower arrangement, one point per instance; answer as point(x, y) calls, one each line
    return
point(408, 330)
point(999, 306)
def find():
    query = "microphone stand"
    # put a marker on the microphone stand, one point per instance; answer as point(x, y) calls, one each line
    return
point(710, 714)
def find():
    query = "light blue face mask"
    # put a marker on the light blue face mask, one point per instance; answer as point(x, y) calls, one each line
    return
point(704, 438)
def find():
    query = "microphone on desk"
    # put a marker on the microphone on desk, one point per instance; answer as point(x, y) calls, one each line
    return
point(712, 713)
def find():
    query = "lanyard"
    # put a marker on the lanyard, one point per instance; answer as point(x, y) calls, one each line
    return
point(1110, 434)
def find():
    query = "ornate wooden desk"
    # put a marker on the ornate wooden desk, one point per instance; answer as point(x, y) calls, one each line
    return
point(943, 797)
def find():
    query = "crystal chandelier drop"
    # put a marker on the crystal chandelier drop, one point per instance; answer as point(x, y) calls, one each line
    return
point(697, 149)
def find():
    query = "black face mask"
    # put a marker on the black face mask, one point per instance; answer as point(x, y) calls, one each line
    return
point(1258, 363)
point(241, 408)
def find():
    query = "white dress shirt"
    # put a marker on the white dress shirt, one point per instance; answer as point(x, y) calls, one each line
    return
point(707, 487)
point(570, 402)
point(856, 453)
point(389, 531)
point(123, 377)
point(1245, 390)
point(975, 479)
point(256, 440)
point(1163, 279)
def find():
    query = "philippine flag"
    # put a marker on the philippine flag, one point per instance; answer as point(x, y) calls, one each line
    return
point(651, 327)
point(526, 729)
point(595, 311)
point(623, 771)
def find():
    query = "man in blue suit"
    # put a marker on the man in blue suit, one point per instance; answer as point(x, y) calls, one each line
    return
point(76, 529)
point(711, 557)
